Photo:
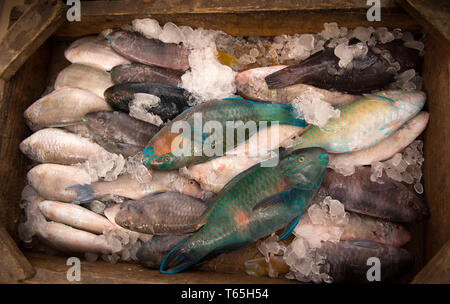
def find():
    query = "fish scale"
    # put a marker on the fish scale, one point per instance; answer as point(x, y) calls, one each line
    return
point(232, 220)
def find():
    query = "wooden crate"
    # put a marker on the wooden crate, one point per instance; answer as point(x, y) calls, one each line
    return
point(32, 54)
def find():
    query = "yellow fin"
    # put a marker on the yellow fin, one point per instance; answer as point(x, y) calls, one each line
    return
point(226, 59)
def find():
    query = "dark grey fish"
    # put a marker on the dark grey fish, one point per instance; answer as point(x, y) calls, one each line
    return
point(161, 213)
point(347, 260)
point(391, 200)
point(152, 253)
point(174, 100)
point(135, 47)
point(117, 132)
point(138, 72)
point(367, 74)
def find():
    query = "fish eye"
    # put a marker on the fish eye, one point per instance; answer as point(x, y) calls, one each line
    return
point(166, 158)
point(301, 159)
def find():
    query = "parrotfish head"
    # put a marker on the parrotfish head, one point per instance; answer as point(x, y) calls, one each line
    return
point(409, 103)
point(304, 168)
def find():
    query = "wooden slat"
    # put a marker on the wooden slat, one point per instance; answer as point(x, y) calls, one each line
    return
point(437, 271)
point(433, 15)
point(437, 145)
point(14, 267)
point(38, 22)
point(269, 23)
point(113, 8)
point(20, 91)
point(53, 270)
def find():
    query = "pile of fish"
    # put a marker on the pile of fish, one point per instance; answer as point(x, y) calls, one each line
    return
point(133, 159)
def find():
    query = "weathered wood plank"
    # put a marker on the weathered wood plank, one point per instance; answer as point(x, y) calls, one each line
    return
point(437, 271)
point(269, 23)
point(437, 145)
point(14, 267)
point(113, 8)
point(23, 38)
point(54, 269)
point(20, 91)
point(433, 15)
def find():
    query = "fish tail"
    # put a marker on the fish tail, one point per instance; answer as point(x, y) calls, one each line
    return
point(84, 193)
point(283, 114)
point(182, 257)
point(279, 79)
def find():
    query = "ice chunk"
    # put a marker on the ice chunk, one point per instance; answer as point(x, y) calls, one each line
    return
point(171, 34)
point(142, 104)
point(313, 109)
point(383, 35)
point(361, 33)
point(346, 53)
point(331, 30)
point(148, 27)
point(208, 79)
point(271, 246)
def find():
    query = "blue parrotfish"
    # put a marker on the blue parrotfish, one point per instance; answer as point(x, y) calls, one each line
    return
point(174, 147)
point(254, 204)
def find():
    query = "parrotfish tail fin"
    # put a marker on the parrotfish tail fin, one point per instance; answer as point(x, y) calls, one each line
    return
point(290, 227)
point(280, 79)
point(84, 193)
point(183, 256)
point(280, 113)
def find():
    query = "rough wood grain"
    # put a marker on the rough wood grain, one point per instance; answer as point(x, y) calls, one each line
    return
point(30, 31)
point(53, 270)
point(437, 146)
point(14, 267)
point(22, 90)
point(112, 8)
point(437, 271)
point(433, 15)
point(270, 23)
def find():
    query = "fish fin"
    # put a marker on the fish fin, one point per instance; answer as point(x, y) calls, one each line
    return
point(181, 257)
point(272, 202)
point(366, 244)
point(84, 192)
point(66, 124)
point(287, 231)
point(378, 96)
point(376, 187)
point(279, 79)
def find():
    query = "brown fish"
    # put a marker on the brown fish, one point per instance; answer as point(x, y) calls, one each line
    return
point(391, 200)
point(138, 72)
point(135, 47)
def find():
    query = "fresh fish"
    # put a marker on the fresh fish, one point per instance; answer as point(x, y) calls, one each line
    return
point(94, 51)
point(173, 100)
point(368, 73)
point(215, 173)
point(111, 213)
point(84, 77)
point(251, 84)
point(138, 72)
point(75, 216)
point(117, 132)
point(63, 106)
point(127, 186)
point(347, 261)
point(390, 200)
point(256, 203)
point(51, 181)
point(57, 146)
point(137, 48)
point(358, 227)
point(66, 238)
point(159, 154)
point(386, 148)
point(160, 213)
point(152, 253)
point(364, 122)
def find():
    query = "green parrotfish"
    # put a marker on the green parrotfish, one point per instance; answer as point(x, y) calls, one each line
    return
point(254, 204)
point(364, 122)
point(210, 129)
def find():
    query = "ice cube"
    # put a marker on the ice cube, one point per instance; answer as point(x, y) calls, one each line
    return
point(331, 30)
point(362, 33)
point(383, 35)
point(148, 27)
point(396, 159)
point(418, 187)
